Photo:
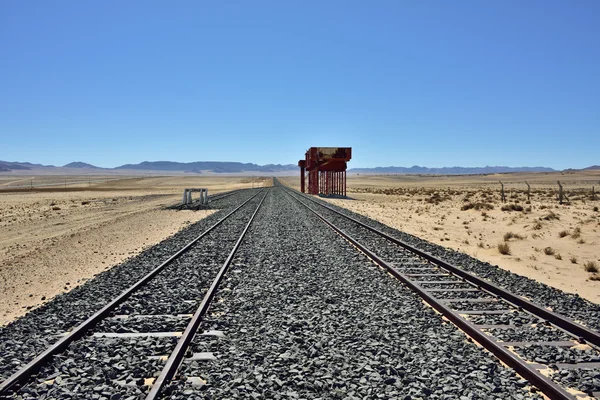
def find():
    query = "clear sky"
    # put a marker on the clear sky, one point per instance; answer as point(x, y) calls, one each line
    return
point(433, 83)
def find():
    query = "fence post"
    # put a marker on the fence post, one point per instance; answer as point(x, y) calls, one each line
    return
point(502, 192)
point(593, 194)
point(561, 194)
point(528, 191)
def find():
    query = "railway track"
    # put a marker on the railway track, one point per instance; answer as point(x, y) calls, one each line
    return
point(146, 316)
point(520, 333)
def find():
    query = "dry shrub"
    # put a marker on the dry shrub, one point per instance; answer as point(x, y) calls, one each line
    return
point(576, 233)
point(477, 206)
point(549, 251)
point(562, 234)
point(537, 226)
point(511, 235)
point(558, 256)
point(573, 259)
point(550, 216)
point(595, 208)
point(512, 207)
point(504, 248)
point(590, 266)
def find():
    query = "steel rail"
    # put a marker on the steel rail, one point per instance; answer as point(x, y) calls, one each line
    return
point(26, 372)
point(547, 386)
point(176, 357)
point(583, 333)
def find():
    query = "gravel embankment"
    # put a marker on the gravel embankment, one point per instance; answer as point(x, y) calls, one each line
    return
point(26, 337)
point(304, 315)
point(570, 305)
point(523, 332)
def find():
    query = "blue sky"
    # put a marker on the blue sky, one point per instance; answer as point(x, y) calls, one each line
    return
point(433, 83)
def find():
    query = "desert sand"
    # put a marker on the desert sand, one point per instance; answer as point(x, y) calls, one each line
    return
point(546, 241)
point(54, 239)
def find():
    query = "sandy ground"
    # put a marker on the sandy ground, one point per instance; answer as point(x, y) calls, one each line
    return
point(53, 240)
point(551, 243)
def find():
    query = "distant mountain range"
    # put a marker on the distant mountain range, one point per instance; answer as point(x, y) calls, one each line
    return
point(212, 166)
point(200, 167)
point(170, 166)
point(415, 169)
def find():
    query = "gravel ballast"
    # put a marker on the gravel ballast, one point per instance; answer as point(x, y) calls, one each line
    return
point(300, 314)
point(304, 315)
point(26, 337)
point(570, 305)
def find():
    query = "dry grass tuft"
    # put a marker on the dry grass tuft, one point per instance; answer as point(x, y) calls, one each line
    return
point(511, 235)
point(549, 251)
point(590, 266)
point(504, 248)
point(550, 216)
point(573, 259)
point(477, 206)
point(562, 234)
point(512, 207)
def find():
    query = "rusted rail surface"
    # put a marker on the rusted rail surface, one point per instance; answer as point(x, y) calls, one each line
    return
point(498, 348)
point(24, 374)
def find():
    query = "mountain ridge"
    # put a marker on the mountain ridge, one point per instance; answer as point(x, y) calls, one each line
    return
point(239, 167)
point(415, 169)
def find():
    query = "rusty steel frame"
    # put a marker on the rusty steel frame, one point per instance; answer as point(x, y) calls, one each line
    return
point(176, 357)
point(546, 385)
point(25, 373)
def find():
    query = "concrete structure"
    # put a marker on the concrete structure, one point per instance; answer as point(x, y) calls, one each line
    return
point(326, 167)
point(187, 196)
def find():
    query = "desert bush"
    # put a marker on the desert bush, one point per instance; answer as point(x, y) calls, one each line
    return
point(549, 251)
point(558, 256)
point(436, 198)
point(581, 241)
point(590, 266)
point(56, 208)
point(504, 248)
point(573, 259)
point(537, 226)
point(595, 278)
point(512, 207)
point(511, 235)
point(596, 208)
point(83, 203)
point(576, 233)
point(562, 234)
point(477, 206)
point(550, 216)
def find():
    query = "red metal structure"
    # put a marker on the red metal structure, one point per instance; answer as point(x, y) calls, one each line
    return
point(326, 168)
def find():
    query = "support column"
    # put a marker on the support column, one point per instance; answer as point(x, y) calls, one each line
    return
point(302, 179)
point(184, 201)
